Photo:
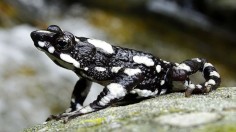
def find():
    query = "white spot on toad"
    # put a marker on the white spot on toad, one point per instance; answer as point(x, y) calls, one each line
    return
point(78, 106)
point(199, 86)
point(166, 62)
point(132, 72)
point(101, 69)
point(162, 82)
point(86, 68)
point(86, 109)
point(144, 93)
point(207, 64)
point(196, 59)
point(158, 68)
point(191, 86)
point(183, 66)
point(143, 60)
point(214, 73)
point(102, 45)
point(77, 40)
point(69, 59)
point(115, 69)
point(116, 90)
point(51, 49)
point(211, 82)
point(41, 44)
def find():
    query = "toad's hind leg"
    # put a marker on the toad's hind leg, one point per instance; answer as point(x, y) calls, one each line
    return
point(182, 72)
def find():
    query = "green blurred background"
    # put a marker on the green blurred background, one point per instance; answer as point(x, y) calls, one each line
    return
point(32, 87)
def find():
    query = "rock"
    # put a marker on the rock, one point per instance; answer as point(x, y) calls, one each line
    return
point(172, 112)
point(188, 119)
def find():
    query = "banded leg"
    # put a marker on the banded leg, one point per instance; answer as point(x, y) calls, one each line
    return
point(112, 93)
point(79, 94)
point(182, 72)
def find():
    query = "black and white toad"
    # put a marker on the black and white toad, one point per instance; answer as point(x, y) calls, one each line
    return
point(123, 72)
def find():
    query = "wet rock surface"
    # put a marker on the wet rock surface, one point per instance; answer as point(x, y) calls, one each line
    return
point(172, 112)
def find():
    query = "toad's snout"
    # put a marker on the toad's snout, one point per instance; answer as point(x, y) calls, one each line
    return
point(43, 36)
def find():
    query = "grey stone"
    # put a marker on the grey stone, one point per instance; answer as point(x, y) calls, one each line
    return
point(172, 112)
point(188, 119)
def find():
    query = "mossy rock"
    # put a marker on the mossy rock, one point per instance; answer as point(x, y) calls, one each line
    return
point(216, 110)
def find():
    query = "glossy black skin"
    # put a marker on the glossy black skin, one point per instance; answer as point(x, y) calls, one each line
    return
point(88, 56)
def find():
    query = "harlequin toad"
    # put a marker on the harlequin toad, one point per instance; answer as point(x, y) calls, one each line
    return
point(123, 72)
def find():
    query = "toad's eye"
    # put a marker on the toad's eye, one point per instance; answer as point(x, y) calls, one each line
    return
point(63, 44)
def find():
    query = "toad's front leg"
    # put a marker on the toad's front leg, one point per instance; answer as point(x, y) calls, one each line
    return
point(112, 93)
point(79, 94)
